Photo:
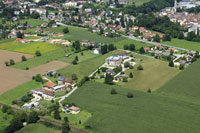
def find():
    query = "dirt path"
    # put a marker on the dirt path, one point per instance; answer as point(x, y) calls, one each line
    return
point(12, 77)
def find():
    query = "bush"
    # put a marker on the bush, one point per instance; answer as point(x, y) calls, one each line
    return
point(37, 53)
point(130, 75)
point(140, 67)
point(130, 95)
point(33, 117)
point(126, 64)
point(88, 127)
point(12, 62)
point(149, 90)
point(125, 79)
point(74, 77)
point(104, 69)
point(7, 63)
point(74, 62)
point(181, 67)
point(4, 108)
point(113, 91)
point(38, 78)
point(130, 67)
point(24, 58)
point(65, 30)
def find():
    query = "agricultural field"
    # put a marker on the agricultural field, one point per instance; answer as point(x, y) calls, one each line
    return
point(86, 67)
point(29, 48)
point(155, 74)
point(120, 44)
point(143, 113)
point(4, 120)
point(185, 86)
point(33, 22)
point(184, 44)
point(38, 128)
point(9, 96)
point(45, 58)
point(80, 34)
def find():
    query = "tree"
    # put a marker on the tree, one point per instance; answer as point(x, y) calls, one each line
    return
point(131, 47)
point(4, 108)
point(37, 53)
point(65, 125)
point(108, 79)
point(140, 67)
point(20, 35)
point(76, 58)
point(12, 62)
point(126, 64)
point(24, 58)
point(65, 30)
point(57, 115)
point(113, 91)
point(130, 75)
point(15, 125)
point(181, 67)
point(111, 47)
point(124, 79)
point(130, 95)
point(74, 62)
point(7, 63)
point(181, 35)
point(166, 37)
point(171, 63)
point(196, 54)
point(126, 47)
point(38, 78)
point(142, 51)
point(33, 117)
point(104, 49)
point(149, 90)
point(74, 77)
point(77, 46)
point(191, 35)
point(156, 38)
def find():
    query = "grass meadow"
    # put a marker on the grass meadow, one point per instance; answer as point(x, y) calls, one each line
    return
point(29, 48)
point(155, 74)
point(184, 44)
point(18, 92)
point(185, 86)
point(144, 113)
point(4, 120)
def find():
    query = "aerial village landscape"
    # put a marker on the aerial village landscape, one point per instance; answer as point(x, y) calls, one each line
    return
point(107, 66)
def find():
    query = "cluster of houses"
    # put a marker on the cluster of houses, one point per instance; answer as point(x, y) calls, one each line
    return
point(112, 62)
point(143, 33)
point(179, 58)
point(191, 21)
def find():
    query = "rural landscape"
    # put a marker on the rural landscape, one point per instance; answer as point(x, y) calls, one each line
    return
point(99, 66)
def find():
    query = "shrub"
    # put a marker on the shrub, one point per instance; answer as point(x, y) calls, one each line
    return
point(24, 58)
point(126, 64)
point(37, 53)
point(74, 77)
point(149, 90)
point(7, 63)
point(140, 67)
point(130, 75)
point(12, 62)
point(74, 62)
point(113, 91)
point(125, 79)
point(88, 127)
point(130, 95)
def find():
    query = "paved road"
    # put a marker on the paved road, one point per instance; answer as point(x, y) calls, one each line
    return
point(155, 43)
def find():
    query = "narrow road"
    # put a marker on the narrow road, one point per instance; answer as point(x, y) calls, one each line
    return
point(155, 43)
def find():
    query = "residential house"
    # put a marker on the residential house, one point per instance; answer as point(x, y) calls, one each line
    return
point(49, 85)
point(74, 110)
point(46, 94)
point(110, 71)
point(97, 51)
point(114, 60)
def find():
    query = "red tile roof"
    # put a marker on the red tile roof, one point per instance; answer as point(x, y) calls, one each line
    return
point(49, 85)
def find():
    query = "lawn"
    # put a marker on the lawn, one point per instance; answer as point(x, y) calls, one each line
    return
point(155, 74)
point(184, 44)
point(29, 48)
point(85, 68)
point(184, 86)
point(34, 22)
point(18, 92)
point(38, 128)
point(146, 113)
point(45, 58)
point(80, 34)
point(120, 44)
point(138, 2)
point(4, 122)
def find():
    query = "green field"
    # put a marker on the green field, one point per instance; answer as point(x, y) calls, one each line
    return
point(80, 34)
point(18, 92)
point(184, 86)
point(155, 74)
point(148, 113)
point(138, 2)
point(4, 120)
point(38, 128)
point(184, 44)
point(29, 48)
point(45, 58)
point(120, 44)
point(34, 22)
point(85, 68)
